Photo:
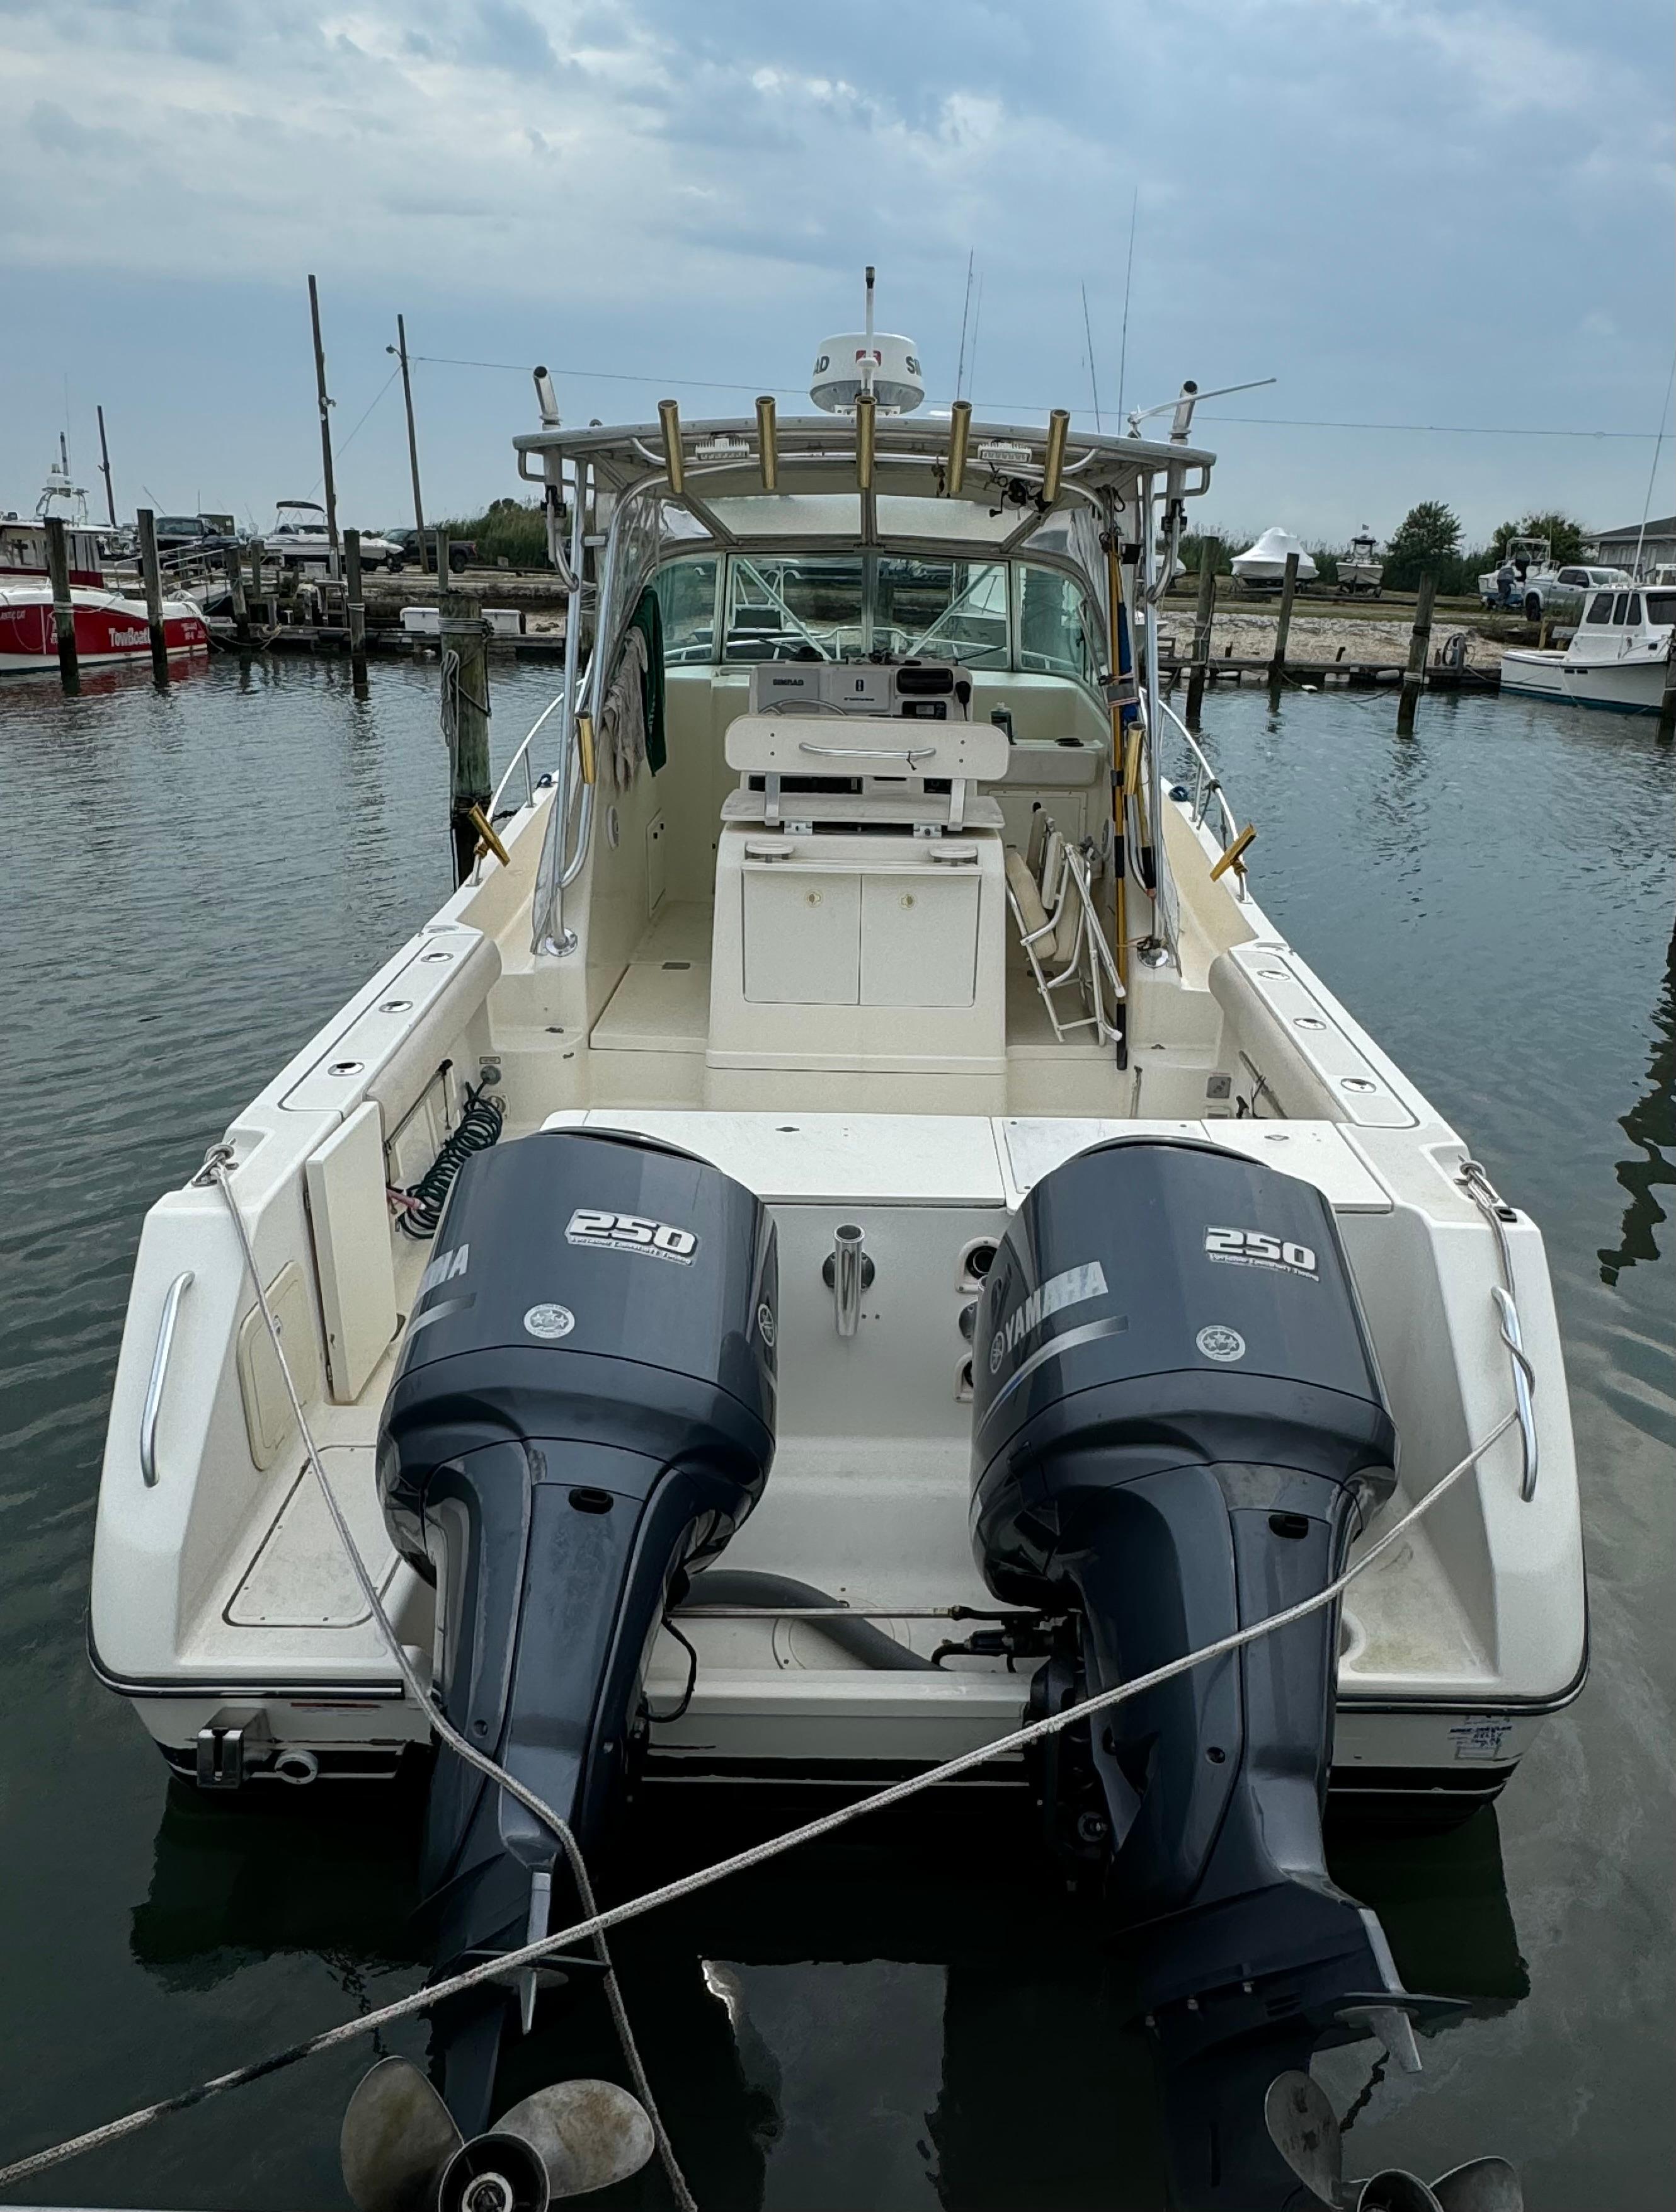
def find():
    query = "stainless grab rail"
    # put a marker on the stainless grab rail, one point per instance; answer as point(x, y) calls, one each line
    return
point(1490, 1203)
point(523, 754)
point(1207, 786)
point(908, 753)
point(153, 1388)
point(1513, 1339)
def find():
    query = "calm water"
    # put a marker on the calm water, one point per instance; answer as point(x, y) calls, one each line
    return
point(199, 880)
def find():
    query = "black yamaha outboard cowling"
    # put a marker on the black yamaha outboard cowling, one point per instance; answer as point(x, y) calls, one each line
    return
point(1179, 1428)
point(584, 1408)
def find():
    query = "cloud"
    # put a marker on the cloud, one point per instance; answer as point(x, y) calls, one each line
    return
point(1373, 198)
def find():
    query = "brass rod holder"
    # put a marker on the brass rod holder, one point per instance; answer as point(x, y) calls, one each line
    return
point(770, 453)
point(866, 411)
point(1231, 858)
point(1059, 423)
point(669, 414)
point(960, 428)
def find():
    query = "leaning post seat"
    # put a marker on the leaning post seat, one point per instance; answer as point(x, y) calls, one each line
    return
point(860, 889)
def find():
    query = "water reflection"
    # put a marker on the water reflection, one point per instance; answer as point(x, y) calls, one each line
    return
point(1651, 1124)
point(918, 2011)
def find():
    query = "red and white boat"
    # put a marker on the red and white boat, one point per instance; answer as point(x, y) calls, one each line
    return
point(109, 626)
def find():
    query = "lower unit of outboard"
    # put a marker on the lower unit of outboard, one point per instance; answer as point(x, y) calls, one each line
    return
point(1179, 1428)
point(583, 1411)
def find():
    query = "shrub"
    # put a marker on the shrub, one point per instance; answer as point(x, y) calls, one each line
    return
point(509, 529)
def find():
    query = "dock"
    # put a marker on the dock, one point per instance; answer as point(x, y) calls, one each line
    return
point(1358, 675)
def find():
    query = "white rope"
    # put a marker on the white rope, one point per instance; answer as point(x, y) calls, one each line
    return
point(743, 1862)
point(438, 1722)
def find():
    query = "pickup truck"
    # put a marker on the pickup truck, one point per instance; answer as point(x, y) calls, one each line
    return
point(1538, 590)
point(462, 551)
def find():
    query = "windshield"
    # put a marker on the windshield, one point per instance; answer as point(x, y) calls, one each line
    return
point(847, 606)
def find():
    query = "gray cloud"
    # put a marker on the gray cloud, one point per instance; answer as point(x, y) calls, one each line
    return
point(1372, 198)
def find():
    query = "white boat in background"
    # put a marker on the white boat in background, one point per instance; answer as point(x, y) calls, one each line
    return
point(1618, 658)
point(855, 1112)
point(1361, 569)
point(1265, 562)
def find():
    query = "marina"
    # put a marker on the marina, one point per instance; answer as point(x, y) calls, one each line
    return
point(220, 1935)
point(836, 1367)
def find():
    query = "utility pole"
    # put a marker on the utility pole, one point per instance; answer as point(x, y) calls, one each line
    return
point(326, 430)
point(104, 469)
point(400, 351)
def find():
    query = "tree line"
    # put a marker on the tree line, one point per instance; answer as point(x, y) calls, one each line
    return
point(1427, 539)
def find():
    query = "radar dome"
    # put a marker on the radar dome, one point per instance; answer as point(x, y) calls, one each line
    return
point(898, 384)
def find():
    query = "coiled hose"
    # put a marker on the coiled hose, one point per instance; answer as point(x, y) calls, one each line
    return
point(479, 1126)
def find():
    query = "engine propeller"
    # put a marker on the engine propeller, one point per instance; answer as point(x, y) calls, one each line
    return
point(402, 2152)
point(1304, 2129)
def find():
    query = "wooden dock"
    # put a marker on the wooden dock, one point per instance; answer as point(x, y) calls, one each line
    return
point(1359, 675)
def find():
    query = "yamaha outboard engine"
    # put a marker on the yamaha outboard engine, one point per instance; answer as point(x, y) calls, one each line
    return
point(1179, 1428)
point(583, 1410)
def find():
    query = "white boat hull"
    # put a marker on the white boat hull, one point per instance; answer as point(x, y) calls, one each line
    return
point(1630, 687)
point(217, 1591)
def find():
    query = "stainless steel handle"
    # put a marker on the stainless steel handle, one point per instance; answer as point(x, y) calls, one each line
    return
point(908, 753)
point(1521, 1386)
point(160, 1368)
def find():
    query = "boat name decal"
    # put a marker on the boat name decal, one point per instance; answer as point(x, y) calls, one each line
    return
point(445, 1268)
point(1070, 1289)
point(1255, 1248)
point(631, 1232)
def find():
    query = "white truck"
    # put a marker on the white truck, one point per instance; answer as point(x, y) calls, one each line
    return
point(1527, 579)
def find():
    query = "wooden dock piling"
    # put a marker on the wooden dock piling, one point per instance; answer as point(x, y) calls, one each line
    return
point(463, 638)
point(1283, 623)
point(442, 561)
point(1419, 645)
point(354, 609)
point(1204, 619)
point(1668, 702)
point(63, 607)
point(235, 586)
point(154, 593)
point(263, 612)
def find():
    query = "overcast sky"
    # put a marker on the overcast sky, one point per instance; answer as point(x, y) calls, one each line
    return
point(1407, 213)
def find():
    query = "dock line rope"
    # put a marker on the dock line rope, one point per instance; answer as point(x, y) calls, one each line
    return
point(215, 1165)
point(743, 1862)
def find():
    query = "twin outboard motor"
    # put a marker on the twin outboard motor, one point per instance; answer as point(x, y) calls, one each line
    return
point(584, 1410)
point(1178, 1429)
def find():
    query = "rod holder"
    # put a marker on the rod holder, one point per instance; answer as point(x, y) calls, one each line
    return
point(1053, 467)
point(769, 451)
point(960, 430)
point(669, 414)
point(847, 1273)
point(867, 412)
